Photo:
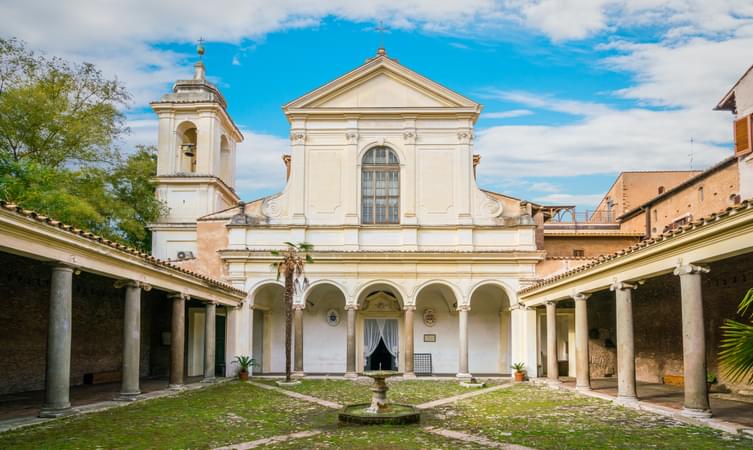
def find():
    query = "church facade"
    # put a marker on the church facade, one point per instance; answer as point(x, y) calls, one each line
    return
point(414, 263)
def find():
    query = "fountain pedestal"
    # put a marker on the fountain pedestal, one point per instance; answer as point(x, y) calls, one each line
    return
point(380, 410)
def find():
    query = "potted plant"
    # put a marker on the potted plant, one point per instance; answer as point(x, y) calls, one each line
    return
point(520, 371)
point(244, 362)
point(710, 380)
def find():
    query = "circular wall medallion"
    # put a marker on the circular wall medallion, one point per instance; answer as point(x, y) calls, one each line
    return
point(430, 318)
point(333, 317)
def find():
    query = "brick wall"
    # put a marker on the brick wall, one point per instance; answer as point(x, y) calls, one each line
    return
point(97, 325)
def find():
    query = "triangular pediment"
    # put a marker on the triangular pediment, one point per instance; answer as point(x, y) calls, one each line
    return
point(382, 83)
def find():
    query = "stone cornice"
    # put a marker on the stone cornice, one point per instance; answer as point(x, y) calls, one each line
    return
point(394, 257)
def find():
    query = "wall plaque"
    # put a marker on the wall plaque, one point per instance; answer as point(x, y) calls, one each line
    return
point(333, 317)
point(430, 338)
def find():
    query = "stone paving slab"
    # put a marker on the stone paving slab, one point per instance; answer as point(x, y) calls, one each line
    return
point(470, 438)
point(298, 395)
point(455, 398)
point(270, 440)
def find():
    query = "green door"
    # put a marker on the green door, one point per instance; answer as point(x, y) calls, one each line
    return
point(219, 349)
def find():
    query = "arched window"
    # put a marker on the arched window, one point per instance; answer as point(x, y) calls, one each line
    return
point(380, 186)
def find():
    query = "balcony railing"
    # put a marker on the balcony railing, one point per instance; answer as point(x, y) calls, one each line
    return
point(569, 218)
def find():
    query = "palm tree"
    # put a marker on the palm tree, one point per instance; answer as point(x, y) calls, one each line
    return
point(736, 355)
point(294, 260)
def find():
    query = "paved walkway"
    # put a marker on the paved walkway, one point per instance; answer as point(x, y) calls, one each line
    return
point(474, 439)
point(270, 440)
point(304, 397)
point(729, 415)
point(455, 398)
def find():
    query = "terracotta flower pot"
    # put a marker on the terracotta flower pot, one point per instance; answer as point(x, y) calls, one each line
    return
point(243, 375)
point(520, 376)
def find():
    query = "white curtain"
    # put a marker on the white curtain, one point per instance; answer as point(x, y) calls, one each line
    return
point(390, 336)
point(371, 336)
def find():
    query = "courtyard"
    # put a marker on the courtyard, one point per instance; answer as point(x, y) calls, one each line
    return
point(261, 415)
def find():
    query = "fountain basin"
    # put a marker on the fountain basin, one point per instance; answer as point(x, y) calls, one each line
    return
point(395, 414)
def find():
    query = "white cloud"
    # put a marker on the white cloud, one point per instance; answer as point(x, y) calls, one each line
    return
point(570, 199)
point(507, 114)
point(259, 167)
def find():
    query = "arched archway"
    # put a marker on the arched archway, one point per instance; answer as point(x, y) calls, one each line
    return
point(268, 340)
point(226, 161)
point(324, 329)
point(380, 327)
point(489, 325)
point(435, 326)
point(187, 151)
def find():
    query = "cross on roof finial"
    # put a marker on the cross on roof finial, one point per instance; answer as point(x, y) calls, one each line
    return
point(200, 47)
point(381, 29)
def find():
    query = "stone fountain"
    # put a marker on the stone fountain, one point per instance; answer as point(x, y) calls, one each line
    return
point(380, 410)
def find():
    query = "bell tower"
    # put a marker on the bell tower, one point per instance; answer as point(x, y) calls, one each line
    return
point(195, 161)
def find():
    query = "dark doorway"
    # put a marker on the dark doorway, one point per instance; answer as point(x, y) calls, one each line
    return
point(381, 358)
point(219, 348)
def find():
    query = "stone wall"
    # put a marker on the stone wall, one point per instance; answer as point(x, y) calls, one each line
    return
point(97, 325)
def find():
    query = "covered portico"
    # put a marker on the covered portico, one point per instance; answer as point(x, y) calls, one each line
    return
point(84, 275)
point(652, 311)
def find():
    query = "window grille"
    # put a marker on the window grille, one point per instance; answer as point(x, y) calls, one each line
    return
point(380, 187)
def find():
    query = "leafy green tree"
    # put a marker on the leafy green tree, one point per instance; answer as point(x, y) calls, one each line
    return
point(54, 112)
point(292, 269)
point(59, 127)
point(736, 355)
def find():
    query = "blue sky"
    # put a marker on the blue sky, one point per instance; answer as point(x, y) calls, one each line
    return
point(573, 90)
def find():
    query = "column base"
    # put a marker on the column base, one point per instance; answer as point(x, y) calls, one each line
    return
point(51, 412)
point(626, 400)
point(127, 396)
point(209, 380)
point(696, 413)
point(583, 388)
point(350, 375)
point(297, 375)
point(409, 376)
point(176, 387)
point(464, 376)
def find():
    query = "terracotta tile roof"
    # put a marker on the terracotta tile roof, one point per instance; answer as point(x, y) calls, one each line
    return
point(699, 223)
point(148, 258)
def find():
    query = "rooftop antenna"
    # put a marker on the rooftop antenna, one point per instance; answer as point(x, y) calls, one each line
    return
point(691, 153)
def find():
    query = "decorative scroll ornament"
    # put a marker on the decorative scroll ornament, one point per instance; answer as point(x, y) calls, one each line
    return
point(297, 137)
point(333, 317)
point(271, 208)
point(351, 137)
point(430, 317)
point(465, 136)
point(409, 137)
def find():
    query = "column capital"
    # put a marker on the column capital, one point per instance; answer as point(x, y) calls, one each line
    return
point(690, 269)
point(353, 307)
point(409, 307)
point(132, 283)
point(464, 307)
point(579, 296)
point(211, 302)
point(551, 303)
point(178, 296)
point(298, 306)
point(621, 285)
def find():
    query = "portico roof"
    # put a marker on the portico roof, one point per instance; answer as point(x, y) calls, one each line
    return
point(718, 236)
point(36, 236)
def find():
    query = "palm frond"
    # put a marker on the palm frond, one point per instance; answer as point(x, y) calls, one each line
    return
point(309, 259)
point(736, 355)
point(305, 246)
point(746, 303)
point(289, 244)
point(275, 252)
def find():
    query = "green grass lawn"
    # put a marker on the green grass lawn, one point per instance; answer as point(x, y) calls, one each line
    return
point(238, 412)
point(412, 392)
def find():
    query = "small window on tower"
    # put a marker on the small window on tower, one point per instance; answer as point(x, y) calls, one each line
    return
point(579, 252)
point(700, 194)
point(661, 190)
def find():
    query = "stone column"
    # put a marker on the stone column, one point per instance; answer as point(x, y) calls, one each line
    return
point(350, 364)
point(129, 389)
point(58, 375)
point(625, 342)
point(582, 368)
point(298, 333)
point(210, 345)
point(177, 340)
point(409, 343)
point(552, 369)
point(463, 340)
point(693, 341)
